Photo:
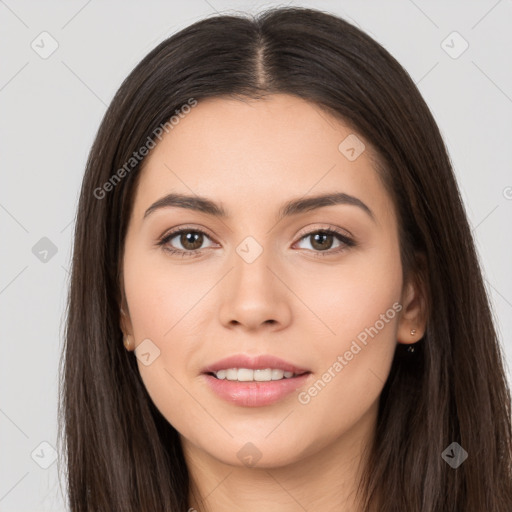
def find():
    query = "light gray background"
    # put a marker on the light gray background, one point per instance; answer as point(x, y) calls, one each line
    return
point(51, 109)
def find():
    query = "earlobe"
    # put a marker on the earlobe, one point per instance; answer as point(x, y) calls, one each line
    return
point(127, 340)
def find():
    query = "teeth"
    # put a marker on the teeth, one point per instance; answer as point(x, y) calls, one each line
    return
point(277, 374)
point(248, 375)
point(232, 374)
point(221, 374)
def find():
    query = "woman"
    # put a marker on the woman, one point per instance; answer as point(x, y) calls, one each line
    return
point(275, 299)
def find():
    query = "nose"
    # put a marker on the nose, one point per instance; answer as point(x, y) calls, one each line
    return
point(254, 294)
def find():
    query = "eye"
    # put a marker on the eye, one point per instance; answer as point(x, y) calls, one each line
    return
point(322, 241)
point(191, 239)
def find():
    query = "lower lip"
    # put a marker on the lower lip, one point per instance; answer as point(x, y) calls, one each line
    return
point(255, 394)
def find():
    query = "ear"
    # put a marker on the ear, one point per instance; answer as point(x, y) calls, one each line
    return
point(414, 312)
point(125, 323)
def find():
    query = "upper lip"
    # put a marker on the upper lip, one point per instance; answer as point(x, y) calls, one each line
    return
point(262, 361)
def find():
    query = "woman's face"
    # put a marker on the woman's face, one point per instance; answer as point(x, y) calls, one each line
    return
point(265, 280)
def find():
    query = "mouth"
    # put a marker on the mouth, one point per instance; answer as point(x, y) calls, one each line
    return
point(254, 380)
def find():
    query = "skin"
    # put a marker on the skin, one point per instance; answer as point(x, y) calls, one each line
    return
point(252, 156)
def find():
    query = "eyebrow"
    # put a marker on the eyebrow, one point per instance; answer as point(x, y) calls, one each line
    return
point(293, 207)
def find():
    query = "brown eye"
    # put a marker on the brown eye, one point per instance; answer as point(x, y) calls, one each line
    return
point(191, 241)
point(322, 241)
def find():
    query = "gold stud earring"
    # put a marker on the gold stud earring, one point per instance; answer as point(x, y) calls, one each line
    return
point(410, 348)
point(127, 343)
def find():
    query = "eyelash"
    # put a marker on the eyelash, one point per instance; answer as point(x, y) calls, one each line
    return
point(196, 252)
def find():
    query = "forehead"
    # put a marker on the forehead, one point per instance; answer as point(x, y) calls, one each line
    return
point(256, 153)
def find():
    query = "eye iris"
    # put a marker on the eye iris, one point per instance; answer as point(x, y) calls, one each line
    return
point(321, 236)
point(188, 238)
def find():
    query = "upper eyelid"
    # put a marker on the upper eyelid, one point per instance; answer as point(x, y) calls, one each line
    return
point(173, 232)
point(326, 227)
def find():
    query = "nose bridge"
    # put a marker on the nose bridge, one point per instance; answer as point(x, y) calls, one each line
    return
point(251, 275)
point(252, 294)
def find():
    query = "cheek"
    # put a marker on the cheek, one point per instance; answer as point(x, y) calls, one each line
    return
point(159, 296)
point(345, 299)
point(161, 311)
point(358, 305)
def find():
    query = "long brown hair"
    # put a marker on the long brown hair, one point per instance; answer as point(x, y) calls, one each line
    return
point(121, 453)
